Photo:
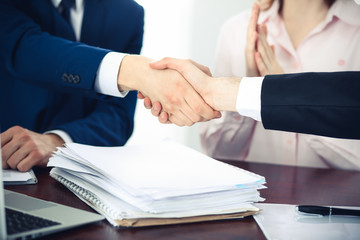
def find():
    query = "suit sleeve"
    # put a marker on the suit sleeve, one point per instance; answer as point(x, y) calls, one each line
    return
point(326, 104)
point(34, 56)
point(41, 59)
point(111, 122)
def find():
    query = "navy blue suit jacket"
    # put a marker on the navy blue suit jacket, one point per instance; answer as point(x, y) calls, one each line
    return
point(47, 78)
point(326, 104)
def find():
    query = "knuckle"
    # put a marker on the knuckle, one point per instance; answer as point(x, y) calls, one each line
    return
point(22, 168)
point(166, 59)
point(17, 128)
point(24, 137)
point(36, 154)
point(173, 99)
point(189, 124)
point(197, 118)
point(197, 108)
point(12, 164)
point(170, 108)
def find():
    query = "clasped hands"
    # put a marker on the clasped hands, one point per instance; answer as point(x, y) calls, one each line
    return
point(184, 106)
point(183, 92)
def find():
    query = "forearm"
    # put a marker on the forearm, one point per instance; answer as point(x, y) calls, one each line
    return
point(109, 124)
point(324, 104)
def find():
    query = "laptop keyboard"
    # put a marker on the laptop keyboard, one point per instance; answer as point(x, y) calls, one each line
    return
point(17, 222)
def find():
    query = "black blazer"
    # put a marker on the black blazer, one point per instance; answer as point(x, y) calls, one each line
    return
point(326, 104)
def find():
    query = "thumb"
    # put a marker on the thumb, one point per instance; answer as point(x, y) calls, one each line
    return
point(140, 95)
point(159, 64)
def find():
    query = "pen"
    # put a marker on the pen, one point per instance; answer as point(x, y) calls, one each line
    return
point(327, 211)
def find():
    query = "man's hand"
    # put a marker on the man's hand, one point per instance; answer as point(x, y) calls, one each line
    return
point(177, 97)
point(22, 149)
point(219, 93)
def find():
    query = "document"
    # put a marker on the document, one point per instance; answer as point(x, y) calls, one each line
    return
point(283, 221)
point(165, 182)
point(14, 177)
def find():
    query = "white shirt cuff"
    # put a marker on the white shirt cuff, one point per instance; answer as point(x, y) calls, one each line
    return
point(107, 75)
point(248, 102)
point(63, 135)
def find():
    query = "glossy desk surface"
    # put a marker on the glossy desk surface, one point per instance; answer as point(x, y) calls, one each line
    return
point(288, 185)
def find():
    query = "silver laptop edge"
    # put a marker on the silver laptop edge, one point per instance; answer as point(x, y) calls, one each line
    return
point(67, 216)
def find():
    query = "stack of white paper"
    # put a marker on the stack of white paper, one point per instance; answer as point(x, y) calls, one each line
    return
point(156, 181)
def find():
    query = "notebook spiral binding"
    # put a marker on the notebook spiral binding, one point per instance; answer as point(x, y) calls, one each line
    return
point(89, 198)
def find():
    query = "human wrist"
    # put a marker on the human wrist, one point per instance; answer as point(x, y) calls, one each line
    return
point(132, 70)
point(223, 93)
point(55, 139)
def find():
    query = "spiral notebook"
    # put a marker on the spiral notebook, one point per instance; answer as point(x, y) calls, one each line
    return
point(143, 186)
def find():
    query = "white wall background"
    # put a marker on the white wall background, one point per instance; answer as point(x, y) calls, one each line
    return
point(181, 29)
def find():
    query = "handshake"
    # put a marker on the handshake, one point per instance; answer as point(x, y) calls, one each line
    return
point(178, 91)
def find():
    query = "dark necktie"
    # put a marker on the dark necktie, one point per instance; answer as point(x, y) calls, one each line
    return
point(65, 7)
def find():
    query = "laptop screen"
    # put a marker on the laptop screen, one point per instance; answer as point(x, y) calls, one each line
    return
point(2, 203)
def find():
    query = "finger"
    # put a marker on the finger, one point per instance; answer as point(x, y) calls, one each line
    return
point(265, 43)
point(140, 95)
point(177, 110)
point(260, 64)
point(160, 64)
point(273, 49)
point(156, 109)
point(195, 107)
point(263, 53)
point(251, 38)
point(255, 11)
point(147, 103)
point(28, 162)
point(18, 156)
point(180, 120)
point(190, 72)
point(10, 148)
point(251, 45)
point(5, 137)
point(164, 118)
point(200, 110)
point(184, 116)
point(203, 68)
point(264, 29)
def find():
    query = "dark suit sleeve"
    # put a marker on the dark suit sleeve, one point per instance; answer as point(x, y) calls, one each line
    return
point(326, 104)
point(36, 57)
point(41, 59)
point(110, 123)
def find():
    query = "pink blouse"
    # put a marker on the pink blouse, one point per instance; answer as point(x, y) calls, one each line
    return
point(334, 45)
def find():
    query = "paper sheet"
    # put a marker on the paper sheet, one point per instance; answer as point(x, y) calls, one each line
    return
point(174, 158)
point(282, 221)
point(11, 176)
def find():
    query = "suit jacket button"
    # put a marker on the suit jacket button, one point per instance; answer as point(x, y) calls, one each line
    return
point(65, 77)
point(76, 79)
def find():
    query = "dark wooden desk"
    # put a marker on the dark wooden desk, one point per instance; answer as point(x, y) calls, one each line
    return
point(289, 185)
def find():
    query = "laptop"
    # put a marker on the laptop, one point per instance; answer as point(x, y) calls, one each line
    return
point(39, 217)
